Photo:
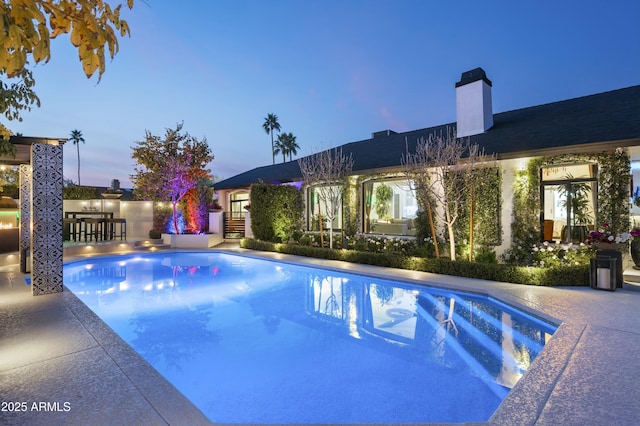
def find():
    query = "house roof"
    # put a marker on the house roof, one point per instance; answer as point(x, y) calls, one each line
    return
point(594, 123)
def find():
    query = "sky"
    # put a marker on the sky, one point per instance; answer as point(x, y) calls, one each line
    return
point(333, 71)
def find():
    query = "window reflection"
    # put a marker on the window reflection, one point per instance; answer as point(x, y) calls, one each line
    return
point(390, 207)
point(569, 202)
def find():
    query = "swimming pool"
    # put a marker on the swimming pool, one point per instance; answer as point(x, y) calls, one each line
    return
point(257, 341)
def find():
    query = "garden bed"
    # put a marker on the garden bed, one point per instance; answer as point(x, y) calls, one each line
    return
point(200, 241)
point(554, 276)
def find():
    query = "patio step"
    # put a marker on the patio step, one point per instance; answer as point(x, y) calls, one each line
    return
point(152, 244)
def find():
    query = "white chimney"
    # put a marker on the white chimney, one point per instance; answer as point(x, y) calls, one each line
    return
point(473, 103)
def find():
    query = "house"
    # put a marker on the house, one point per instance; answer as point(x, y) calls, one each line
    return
point(577, 152)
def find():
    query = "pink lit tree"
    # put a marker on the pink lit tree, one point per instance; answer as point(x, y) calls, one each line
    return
point(167, 168)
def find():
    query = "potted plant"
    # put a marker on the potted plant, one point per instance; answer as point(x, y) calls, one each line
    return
point(384, 194)
point(577, 194)
point(603, 239)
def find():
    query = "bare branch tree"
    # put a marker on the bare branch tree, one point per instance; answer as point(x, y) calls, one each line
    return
point(441, 172)
point(326, 171)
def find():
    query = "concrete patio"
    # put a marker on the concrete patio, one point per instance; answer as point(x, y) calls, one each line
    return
point(69, 368)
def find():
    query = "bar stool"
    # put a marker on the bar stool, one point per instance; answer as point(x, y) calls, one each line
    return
point(71, 228)
point(113, 232)
point(93, 228)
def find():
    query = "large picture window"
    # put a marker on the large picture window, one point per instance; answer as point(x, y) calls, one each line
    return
point(390, 207)
point(318, 212)
point(569, 201)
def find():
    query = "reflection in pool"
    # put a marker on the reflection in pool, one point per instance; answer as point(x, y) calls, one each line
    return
point(257, 341)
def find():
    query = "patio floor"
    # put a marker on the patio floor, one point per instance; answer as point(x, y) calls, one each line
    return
point(70, 368)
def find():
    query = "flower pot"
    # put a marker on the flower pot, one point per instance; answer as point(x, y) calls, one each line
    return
point(608, 246)
point(635, 253)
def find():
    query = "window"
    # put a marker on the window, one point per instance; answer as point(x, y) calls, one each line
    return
point(569, 201)
point(237, 203)
point(390, 207)
point(319, 202)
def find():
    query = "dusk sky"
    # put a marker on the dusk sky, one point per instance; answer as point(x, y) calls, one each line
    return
point(333, 71)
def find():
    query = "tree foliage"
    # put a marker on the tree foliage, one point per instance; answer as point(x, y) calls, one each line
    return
point(28, 26)
point(442, 172)
point(328, 171)
point(15, 96)
point(76, 137)
point(286, 145)
point(270, 124)
point(276, 211)
point(167, 168)
point(195, 207)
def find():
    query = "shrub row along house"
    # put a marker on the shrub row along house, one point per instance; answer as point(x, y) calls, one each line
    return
point(559, 170)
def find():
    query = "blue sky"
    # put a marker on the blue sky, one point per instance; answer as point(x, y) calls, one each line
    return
point(334, 71)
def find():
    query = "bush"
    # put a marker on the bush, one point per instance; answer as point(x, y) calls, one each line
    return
point(10, 190)
point(549, 255)
point(576, 275)
point(80, 193)
point(276, 211)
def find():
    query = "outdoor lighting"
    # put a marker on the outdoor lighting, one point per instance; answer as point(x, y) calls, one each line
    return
point(603, 274)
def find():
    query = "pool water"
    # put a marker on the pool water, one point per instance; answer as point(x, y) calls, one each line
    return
point(257, 341)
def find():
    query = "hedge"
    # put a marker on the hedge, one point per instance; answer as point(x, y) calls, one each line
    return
point(549, 277)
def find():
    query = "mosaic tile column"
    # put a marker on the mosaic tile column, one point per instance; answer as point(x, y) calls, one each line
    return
point(25, 216)
point(46, 217)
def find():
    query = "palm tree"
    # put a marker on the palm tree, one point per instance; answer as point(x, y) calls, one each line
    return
point(271, 124)
point(76, 138)
point(290, 144)
point(280, 146)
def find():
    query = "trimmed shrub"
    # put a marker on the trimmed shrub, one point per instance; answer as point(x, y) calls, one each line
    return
point(577, 275)
point(80, 193)
point(276, 211)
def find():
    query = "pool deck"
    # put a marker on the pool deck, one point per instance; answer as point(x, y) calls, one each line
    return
point(70, 368)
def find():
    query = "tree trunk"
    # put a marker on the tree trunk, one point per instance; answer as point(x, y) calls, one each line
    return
point(273, 154)
point(174, 204)
point(452, 238)
point(320, 226)
point(331, 232)
point(433, 231)
point(78, 146)
point(471, 226)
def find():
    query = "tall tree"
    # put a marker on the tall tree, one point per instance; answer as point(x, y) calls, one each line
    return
point(327, 171)
point(289, 142)
point(26, 32)
point(280, 147)
point(76, 138)
point(166, 169)
point(441, 171)
point(286, 145)
point(270, 124)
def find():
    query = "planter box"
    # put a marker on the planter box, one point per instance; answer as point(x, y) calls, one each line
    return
point(201, 241)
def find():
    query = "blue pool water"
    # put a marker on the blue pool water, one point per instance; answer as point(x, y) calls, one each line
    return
point(257, 341)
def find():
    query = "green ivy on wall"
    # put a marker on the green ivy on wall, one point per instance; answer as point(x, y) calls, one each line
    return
point(486, 213)
point(276, 211)
point(350, 207)
point(614, 170)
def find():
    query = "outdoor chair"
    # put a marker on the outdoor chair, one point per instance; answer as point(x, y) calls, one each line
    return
point(93, 229)
point(71, 229)
point(113, 230)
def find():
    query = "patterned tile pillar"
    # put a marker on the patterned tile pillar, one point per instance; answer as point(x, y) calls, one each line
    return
point(46, 217)
point(25, 217)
